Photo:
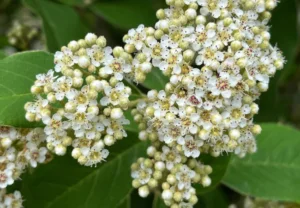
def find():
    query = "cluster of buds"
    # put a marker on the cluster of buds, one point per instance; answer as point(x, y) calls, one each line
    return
point(19, 149)
point(13, 200)
point(250, 202)
point(24, 32)
point(173, 172)
point(218, 57)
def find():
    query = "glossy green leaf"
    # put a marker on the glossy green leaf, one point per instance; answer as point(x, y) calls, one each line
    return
point(273, 172)
point(61, 23)
point(64, 183)
point(284, 35)
point(17, 75)
point(126, 14)
point(219, 166)
point(155, 80)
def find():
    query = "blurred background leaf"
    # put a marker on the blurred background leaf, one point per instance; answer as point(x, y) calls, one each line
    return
point(126, 14)
point(61, 23)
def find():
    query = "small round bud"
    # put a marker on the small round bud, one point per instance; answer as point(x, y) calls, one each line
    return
point(191, 13)
point(143, 135)
point(171, 179)
point(67, 141)
point(84, 61)
point(60, 150)
point(160, 166)
point(256, 129)
point(101, 42)
point(90, 38)
point(109, 140)
point(206, 181)
point(76, 153)
point(73, 45)
point(144, 191)
point(177, 196)
point(6, 142)
point(152, 183)
point(160, 14)
point(167, 194)
point(116, 113)
point(234, 134)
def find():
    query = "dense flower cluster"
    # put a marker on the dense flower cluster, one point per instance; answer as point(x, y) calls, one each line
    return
point(13, 200)
point(218, 58)
point(19, 149)
point(82, 100)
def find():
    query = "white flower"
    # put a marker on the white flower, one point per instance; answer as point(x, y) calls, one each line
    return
point(117, 67)
point(191, 146)
point(184, 177)
point(99, 55)
point(170, 156)
point(143, 174)
point(6, 176)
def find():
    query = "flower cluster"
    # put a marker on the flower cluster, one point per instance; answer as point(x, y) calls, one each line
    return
point(171, 170)
point(25, 31)
point(250, 202)
point(219, 60)
point(13, 200)
point(81, 101)
point(20, 148)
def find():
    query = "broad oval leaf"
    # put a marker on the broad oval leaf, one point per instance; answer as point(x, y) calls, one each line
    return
point(219, 166)
point(64, 183)
point(273, 172)
point(61, 23)
point(126, 14)
point(17, 75)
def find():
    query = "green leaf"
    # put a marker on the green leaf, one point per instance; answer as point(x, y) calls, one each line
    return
point(133, 125)
point(213, 199)
point(61, 23)
point(72, 2)
point(285, 36)
point(125, 204)
point(219, 166)
point(2, 55)
point(126, 14)
point(64, 183)
point(17, 75)
point(156, 80)
point(273, 172)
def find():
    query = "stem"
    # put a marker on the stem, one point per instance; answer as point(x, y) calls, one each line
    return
point(135, 102)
